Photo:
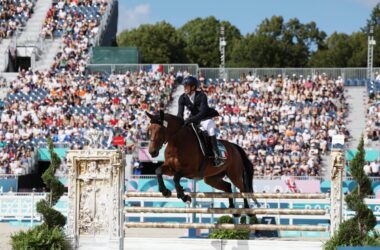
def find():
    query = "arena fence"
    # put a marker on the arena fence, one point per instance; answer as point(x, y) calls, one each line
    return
point(351, 76)
point(122, 68)
point(236, 73)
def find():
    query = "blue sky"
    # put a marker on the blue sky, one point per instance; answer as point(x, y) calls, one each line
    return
point(330, 15)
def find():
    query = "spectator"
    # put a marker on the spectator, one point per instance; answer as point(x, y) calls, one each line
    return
point(375, 165)
point(367, 168)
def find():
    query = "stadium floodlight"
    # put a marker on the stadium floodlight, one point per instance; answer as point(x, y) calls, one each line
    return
point(222, 49)
point(371, 45)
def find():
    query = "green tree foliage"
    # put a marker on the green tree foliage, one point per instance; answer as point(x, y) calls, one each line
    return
point(202, 40)
point(158, 43)
point(49, 235)
point(274, 43)
point(277, 43)
point(342, 50)
point(374, 20)
point(355, 231)
point(40, 237)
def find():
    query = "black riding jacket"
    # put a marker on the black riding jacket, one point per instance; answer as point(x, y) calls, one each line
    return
point(200, 110)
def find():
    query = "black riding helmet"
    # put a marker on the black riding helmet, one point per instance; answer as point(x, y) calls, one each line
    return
point(190, 80)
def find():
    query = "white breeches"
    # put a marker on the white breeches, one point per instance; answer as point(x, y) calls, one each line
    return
point(209, 126)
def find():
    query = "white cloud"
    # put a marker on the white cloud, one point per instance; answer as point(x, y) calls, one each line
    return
point(132, 17)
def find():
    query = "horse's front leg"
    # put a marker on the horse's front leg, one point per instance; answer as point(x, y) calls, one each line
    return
point(161, 185)
point(180, 192)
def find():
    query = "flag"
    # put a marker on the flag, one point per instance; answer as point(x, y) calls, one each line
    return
point(158, 68)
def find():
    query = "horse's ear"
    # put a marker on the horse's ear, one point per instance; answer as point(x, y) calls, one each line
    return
point(149, 115)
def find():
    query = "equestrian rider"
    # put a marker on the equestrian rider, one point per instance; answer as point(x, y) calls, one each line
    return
point(201, 113)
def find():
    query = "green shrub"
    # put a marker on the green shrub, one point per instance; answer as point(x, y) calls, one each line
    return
point(49, 235)
point(357, 230)
point(252, 220)
point(228, 233)
point(40, 238)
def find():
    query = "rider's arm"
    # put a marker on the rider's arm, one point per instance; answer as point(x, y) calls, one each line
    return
point(181, 106)
point(202, 110)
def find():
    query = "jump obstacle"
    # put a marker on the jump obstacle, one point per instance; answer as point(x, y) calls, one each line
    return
point(193, 210)
point(97, 201)
point(335, 211)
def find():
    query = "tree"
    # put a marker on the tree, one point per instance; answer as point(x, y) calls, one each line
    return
point(48, 235)
point(342, 50)
point(158, 43)
point(276, 43)
point(358, 44)
point(202, 40)
point(355, 231)
point(336, 54)
point(374, 20)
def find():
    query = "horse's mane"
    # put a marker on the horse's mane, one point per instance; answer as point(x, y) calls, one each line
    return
point(156, 118)
point(174, 117)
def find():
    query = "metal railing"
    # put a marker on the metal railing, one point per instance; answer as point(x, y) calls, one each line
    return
point(355, 74)
point(236, 73)
point(103, 23)
point(122, 68)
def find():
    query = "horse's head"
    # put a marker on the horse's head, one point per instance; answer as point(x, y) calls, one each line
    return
point(156, 133)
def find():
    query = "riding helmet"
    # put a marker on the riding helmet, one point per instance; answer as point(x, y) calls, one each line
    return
point(190, 80)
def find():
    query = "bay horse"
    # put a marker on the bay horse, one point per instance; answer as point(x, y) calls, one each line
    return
point(184, 158)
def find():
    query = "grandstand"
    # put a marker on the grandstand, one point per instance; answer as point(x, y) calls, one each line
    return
point(61, 77)
point(55, 87)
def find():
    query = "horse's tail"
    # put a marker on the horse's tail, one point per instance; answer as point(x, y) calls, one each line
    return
point(248, 170)
point(247, 173)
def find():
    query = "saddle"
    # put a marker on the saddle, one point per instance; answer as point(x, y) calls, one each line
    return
point(205, 143)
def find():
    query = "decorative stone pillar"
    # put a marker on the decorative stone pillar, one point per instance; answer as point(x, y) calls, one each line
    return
point(338, 163)
point(95, 189)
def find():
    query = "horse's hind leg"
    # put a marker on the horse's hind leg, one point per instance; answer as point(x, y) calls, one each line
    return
point(180, 193)
point(217, 182)
point(161, 185)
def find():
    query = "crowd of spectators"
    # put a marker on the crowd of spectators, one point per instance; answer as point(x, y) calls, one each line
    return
point(78, 19)
point(14, 13)
point(373, 117)
point(66, 108)
point(372, 168)
point(284, 124)
point(49, 103)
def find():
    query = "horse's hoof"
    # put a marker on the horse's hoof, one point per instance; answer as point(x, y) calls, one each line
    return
point(186, 199)
point(167, 193)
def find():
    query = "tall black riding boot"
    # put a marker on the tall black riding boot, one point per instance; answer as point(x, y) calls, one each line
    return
point(217, 156)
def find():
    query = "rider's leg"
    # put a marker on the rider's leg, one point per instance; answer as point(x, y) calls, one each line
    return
point(209, 126)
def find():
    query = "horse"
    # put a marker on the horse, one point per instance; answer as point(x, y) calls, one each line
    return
point(184, 158)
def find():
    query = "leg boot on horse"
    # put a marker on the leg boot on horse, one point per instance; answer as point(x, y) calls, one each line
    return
point(161, 185)
point(180, 192)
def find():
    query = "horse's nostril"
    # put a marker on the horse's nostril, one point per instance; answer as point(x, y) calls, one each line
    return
point(153, 153)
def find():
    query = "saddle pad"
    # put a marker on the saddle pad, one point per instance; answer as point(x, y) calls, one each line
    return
point(222, 149)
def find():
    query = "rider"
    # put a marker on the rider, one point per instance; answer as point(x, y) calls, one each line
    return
point(201, 113)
